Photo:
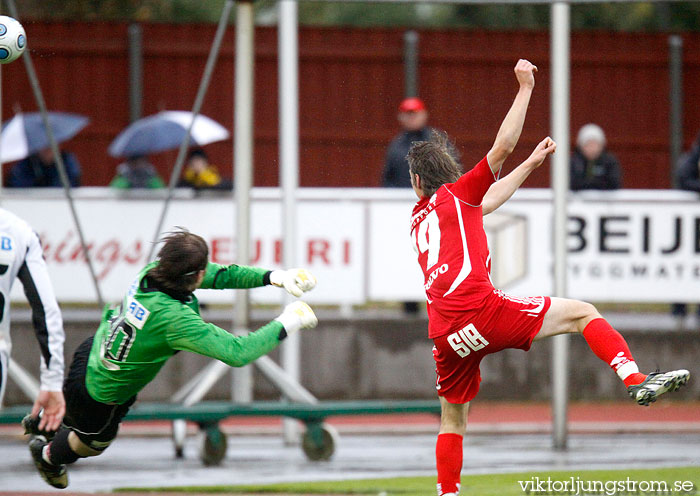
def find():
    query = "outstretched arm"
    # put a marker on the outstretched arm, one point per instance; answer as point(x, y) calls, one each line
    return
point(502, 190)
point(234, 277)
point(294, 281)
point(190, 333)
point(512, 125)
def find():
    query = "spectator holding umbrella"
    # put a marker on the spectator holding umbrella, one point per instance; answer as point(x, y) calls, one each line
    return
point(39, 170)
point(24, 138)
point(136, 173)
point(201, 174)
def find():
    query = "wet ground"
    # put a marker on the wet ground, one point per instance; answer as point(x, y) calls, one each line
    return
point(148, 462)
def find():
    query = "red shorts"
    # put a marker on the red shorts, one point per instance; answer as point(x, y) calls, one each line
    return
point(502, 322)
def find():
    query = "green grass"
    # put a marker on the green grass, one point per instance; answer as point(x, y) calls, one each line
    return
point(477, 485)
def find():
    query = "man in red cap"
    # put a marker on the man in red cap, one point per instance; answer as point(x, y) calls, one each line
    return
point(413, 118)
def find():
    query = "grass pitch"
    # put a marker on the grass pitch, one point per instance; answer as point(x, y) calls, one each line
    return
point(680, 481)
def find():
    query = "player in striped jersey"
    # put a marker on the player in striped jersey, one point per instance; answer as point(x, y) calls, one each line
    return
point(468, 317)
point(21, 257)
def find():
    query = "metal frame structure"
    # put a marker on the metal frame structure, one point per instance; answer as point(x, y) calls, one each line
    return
point(289, 152)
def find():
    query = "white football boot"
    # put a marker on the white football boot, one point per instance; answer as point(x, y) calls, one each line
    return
point(656, 384)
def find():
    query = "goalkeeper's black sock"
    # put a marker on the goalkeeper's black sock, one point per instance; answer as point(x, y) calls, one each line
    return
point(58, 451)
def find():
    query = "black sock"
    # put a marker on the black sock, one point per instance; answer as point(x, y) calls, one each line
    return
point(59, 450)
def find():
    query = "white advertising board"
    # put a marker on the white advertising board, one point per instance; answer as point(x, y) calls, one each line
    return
point(119, 233)
point(626, 250)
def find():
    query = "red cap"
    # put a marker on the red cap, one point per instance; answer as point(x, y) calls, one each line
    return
point(412, 104)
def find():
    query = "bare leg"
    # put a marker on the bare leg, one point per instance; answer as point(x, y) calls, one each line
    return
point(567, 316)
point(453, 418)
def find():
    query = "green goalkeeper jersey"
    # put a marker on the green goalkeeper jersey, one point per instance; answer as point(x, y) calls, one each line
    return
point(135, 339)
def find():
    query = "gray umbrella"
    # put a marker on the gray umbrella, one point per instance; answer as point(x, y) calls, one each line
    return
point(165, 131)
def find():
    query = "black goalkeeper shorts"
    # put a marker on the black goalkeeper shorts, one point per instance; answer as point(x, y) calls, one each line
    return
point(95, 423)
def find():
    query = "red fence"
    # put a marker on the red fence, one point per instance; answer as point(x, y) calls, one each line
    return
point(350, 83)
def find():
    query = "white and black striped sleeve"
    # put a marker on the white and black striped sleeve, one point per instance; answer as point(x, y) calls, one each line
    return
point(46, 316)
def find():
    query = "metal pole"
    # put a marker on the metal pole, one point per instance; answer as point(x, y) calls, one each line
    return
point(560, 67)
point(39, 97)
point(675, 96)
point(242, 389)
point(135, 34)
point(24, 380)
point(410, 63)
point(196, 107)
point(277, 376)
point(288, 73)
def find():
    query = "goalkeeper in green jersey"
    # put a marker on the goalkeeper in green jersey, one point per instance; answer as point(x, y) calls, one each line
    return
point(158, 317)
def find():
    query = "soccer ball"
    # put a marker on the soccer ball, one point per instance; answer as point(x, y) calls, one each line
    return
point(13, 39)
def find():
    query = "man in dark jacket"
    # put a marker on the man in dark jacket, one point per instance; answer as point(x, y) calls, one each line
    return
point(592, 166)
point(39, 170)
point(688, 168)
point(687, 178)
point(413, 118)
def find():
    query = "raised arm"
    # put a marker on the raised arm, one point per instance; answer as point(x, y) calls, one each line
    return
point(512, 125)
point(502, 190)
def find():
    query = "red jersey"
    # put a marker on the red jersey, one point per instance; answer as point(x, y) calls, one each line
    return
point(448, 232)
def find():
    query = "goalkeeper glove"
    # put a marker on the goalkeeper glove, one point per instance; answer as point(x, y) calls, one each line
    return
point(297, 315)
point(295, 281)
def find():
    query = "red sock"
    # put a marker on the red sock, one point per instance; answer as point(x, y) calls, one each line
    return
point(611, 347)
point(448, 454)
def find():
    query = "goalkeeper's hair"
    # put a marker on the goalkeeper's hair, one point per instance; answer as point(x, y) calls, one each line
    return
point(181, 257)
point(434, 162)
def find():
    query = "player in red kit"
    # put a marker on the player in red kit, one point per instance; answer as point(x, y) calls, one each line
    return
point(468, 317)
